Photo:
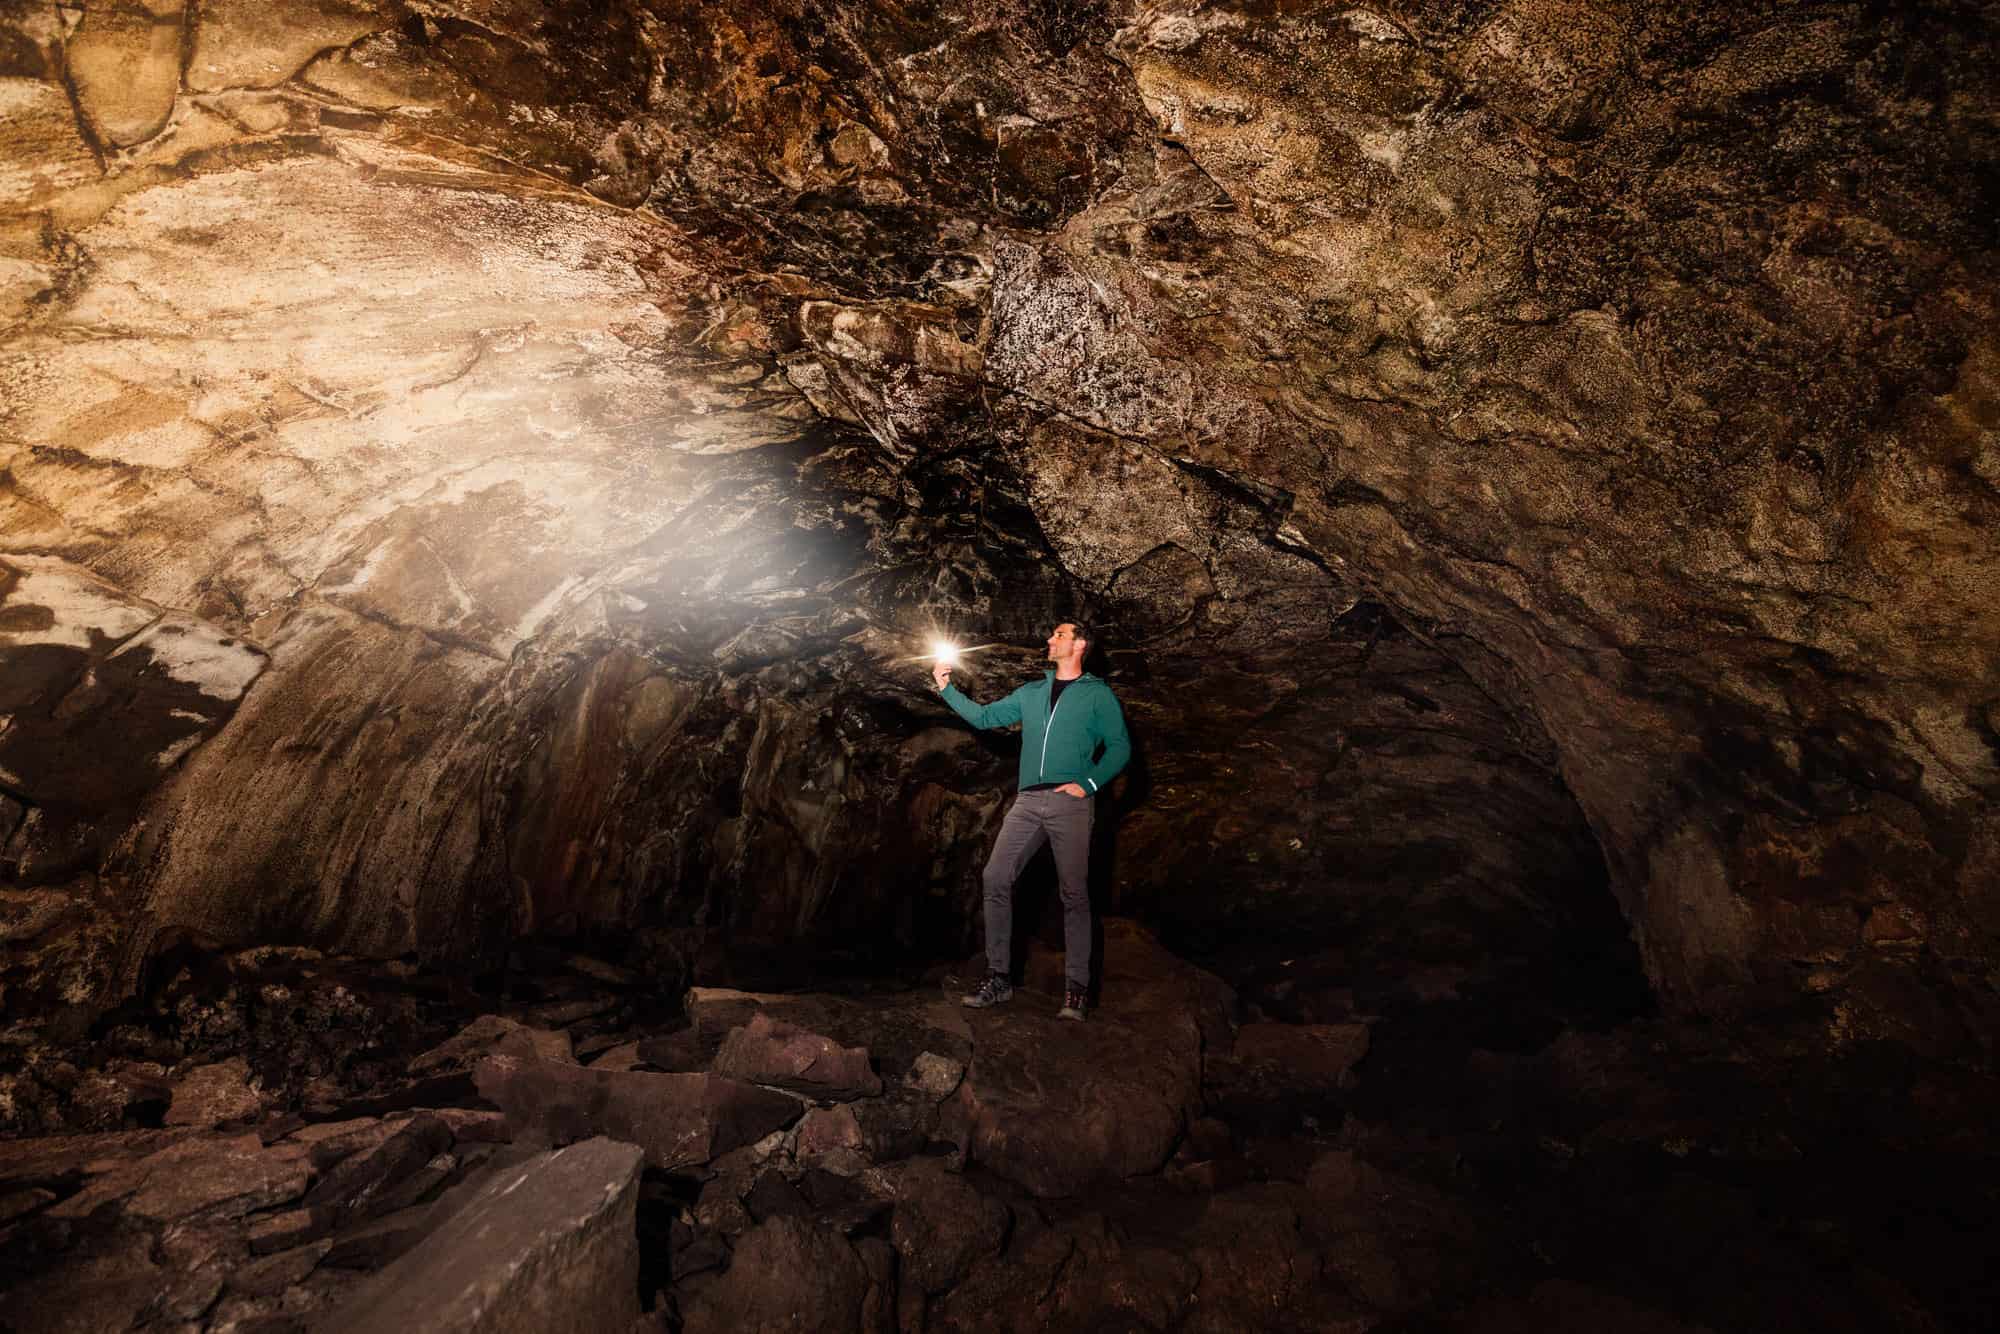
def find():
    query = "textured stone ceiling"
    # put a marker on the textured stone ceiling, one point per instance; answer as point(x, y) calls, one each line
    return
point(471, 469)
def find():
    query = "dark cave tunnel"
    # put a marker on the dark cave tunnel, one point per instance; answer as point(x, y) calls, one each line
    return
point(480, 489)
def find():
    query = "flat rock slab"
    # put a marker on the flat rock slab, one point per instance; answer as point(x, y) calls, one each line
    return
point(780, 1053)
point(680, 1120)
point(548, 1246)
point(213, 1177)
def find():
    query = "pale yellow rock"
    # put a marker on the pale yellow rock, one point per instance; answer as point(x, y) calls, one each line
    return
point(126, 66)
point(41, 153)
point(258, 44)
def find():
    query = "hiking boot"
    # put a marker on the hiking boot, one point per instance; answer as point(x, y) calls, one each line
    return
point(995, 989)
point(1076, 1004)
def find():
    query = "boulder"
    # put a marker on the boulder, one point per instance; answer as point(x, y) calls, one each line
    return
point(209, 1095)
point(679, 1120)
point(943, 1226)
point(491, 1035)
point(829, 1133)
point(786, 1274)
point(545, 1245)
point(1055, 1107)
point(773, 1051)
point(934, 1074)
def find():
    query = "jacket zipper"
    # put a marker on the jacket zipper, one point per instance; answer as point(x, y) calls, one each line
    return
point(1047, 728)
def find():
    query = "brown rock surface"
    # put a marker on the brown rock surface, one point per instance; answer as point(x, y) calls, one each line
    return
point(209, 1095)
point(680, 1121)
point(942, 1226)
point(767, 1051)
point(545, 1245)
point(787, 1273)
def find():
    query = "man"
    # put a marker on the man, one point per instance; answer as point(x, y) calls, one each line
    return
point(1073, 742)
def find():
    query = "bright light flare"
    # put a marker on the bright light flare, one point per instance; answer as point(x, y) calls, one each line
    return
point(944, 652)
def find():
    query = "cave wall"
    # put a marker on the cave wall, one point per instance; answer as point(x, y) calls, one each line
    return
point(576, 409)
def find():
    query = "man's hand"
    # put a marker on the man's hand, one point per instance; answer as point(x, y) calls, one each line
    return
point(941, 674)
point(1073, 789)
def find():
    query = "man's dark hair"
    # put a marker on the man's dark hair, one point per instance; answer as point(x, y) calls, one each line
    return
point(1093, 652)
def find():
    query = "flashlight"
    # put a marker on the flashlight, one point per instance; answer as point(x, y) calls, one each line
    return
point(944, 652)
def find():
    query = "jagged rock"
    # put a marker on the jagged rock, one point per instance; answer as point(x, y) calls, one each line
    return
point(547, 1244)
point(195, 1179)
point(943, 1226)
point(787, 1273)
point(936, 1075)
point(492, 1035)
point(827, 1131)
point(366, 1182)
point(209, 1095)
point(680, 1120)
point(768, 1051)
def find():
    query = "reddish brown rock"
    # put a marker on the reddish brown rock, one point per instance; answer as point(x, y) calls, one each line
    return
point(680, 1120)
point(548, 1244)
point(772, 1051)
point(492, 1035)
point(942, 1225)
point(787, 1273)
point(195, 1179)
point(210, 1095)
point(1056, 1106)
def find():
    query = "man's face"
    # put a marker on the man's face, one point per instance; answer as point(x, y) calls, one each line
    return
point(1062, 642)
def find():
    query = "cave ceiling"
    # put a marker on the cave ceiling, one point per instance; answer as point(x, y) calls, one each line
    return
point(473, 468)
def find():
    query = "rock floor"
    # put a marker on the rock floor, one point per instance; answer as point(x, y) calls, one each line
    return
point(861, 1158)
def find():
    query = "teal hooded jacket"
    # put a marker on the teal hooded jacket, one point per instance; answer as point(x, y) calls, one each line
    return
point(1084, 742)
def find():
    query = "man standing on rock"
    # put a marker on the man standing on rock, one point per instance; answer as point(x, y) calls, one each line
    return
point(1073, 742)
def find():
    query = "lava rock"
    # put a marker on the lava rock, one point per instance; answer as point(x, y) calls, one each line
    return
point(492, 1035)
point(546, 1244)
point(680, 1120)
point(942, 1225)
point(771, 1051)
point(789, 1274)
point(210, 1095)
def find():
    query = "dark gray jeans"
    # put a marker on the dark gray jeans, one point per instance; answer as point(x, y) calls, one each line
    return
point(1063, 822)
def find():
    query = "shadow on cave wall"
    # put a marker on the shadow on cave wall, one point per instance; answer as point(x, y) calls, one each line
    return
point(1357, 829)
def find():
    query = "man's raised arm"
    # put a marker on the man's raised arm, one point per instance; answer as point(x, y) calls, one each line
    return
point(1000, 713)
